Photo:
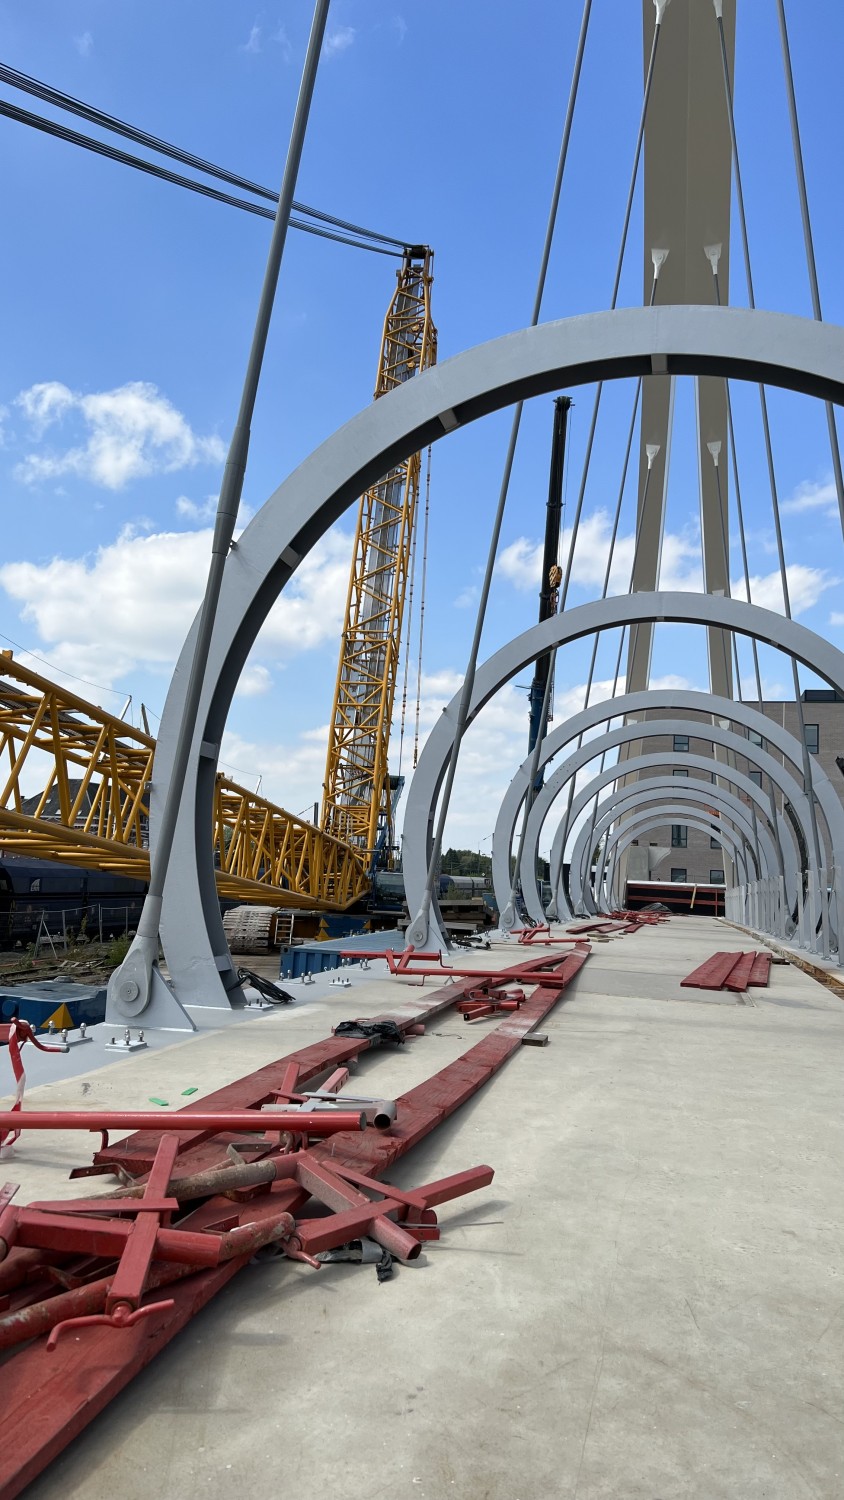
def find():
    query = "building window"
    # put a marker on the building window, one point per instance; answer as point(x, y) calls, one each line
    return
point(679, 836)
point(713, 777)
point(682, 772)
point(716, 877)
point(812, 738)
point(681, 741)
point(755, 738)
point(678, 877)
point(713, 842)
point(756, 777)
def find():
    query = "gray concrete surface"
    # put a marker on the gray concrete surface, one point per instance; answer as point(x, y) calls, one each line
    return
point(645, 1305)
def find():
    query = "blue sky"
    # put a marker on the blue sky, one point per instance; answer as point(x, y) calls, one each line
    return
point(128, 306)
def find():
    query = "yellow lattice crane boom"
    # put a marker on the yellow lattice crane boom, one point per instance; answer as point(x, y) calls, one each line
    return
point(357, 800)
point(74, 787)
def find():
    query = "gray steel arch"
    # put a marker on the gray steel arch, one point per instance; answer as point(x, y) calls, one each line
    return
point(729, 840)
point(712, 609)
point(732, 614)
point(696, 791)
point(735, 843)
point(767, 864)
point(657, 789)
point(653, 729)
point(795, 353)
point(616, 807)
point(628, 704)
point(623, 837)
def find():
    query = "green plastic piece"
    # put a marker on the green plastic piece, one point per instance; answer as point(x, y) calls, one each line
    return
point(162, 1102)
point(189, 1091)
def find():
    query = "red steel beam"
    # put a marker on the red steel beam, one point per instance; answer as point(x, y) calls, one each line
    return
point(285, 1075)
point(70, 1386)
point(739, 976)
point(712, 974)
point(761, 971)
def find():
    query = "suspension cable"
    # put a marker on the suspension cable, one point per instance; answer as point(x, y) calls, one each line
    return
point(417, 933)
point(811, 266)
point(713, 255)
point(153, 169)
point(652, 450)
point(658, 257)
point(423, 583)
point(715, 454)
point(766, 429)
point(408, 633)
point(508, 916)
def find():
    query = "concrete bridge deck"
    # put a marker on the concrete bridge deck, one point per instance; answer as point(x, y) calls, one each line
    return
point(645, 1305)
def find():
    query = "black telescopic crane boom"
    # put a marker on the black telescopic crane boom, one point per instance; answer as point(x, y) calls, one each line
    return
point(550, 570)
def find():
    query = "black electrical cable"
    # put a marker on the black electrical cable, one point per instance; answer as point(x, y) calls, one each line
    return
point(265, 987)
point(49, 95)
point(102, 148)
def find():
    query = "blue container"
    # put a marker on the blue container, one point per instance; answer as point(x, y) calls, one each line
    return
point(66, 1004)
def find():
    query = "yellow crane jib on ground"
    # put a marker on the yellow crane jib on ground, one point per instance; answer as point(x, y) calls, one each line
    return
point(75, 788)
point(357, 794)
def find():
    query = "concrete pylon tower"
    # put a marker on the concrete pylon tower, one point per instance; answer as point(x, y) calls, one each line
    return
point(687, 208)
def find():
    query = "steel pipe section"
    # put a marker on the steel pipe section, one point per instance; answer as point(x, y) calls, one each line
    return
point(699, 791)
point(633, 799)
point(795, 353)
point(663, 698)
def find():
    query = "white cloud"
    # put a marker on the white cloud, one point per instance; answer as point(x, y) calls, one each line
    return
point(467, 597)
point(205, 510)
point(836, 618)
point(147, 590)
point(255, 681)
point(84, 44)
point(339, 40)
point(521, 562)
point(127, 433)
point(810, 496)
point(399, 27)
point(805, 586)
point(253, 41)
point(281, 38)
point(680, 568)
point(291, 774)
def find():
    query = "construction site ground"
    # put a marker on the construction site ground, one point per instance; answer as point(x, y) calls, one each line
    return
point(645, 1305)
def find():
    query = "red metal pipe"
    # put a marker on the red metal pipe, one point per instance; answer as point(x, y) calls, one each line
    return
point(320, 1122)
point(28, 1322)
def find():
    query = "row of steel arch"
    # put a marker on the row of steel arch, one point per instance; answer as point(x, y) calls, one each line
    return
point(772, 348)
